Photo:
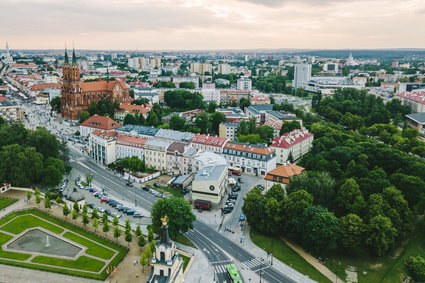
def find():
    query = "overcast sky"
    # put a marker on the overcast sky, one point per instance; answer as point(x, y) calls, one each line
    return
point(212, 24)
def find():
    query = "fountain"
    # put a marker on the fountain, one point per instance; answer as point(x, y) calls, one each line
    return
point(47, 241)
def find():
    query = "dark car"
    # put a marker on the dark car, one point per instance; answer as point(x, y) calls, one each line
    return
point(108, 212)
point(109, 201)
point(236, 189)
point(124, 209)
point(145, 188)
point(129, 184)
point(157, 185)
point(184, 191)
point(91, 205)
point(130, 212)
point(261, 187)
point(233, 196)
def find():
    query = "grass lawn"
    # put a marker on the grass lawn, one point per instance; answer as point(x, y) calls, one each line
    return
point(182, 239)
point(93, 248)
point(82, 263)
point(389, 269)
point(27, 219)
point(185, 261)
point(24, 222)
point(287, 255)
point(171, 191)
point(11, 255)
point(4, 202)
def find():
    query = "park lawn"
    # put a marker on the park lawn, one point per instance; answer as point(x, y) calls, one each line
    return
point(92, 248)
point(11, 255)
point(186, 260)
point(386, 270)
point(5, 202)
point(286, 254)
point(171, 191)
point(82, 263)
point(20, 224)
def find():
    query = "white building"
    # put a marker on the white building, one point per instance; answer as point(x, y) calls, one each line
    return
point(156, 154)
point(128, 146)
point(296, 143)
point(224, 69)
point(251, 159)
point(211, 94)
point(228, 130)
point(302, 74)
point(210, 184)
point(208, 143)
point(102, 146)
point(244, 84)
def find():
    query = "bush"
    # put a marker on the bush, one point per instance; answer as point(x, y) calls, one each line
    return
point(416, 267)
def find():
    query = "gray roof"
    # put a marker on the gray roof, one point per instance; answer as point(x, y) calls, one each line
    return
point(174, 135)
point(209, 173)
point(181, 179)
point(260, 108)
point(141, 130)
point(157, 143)
point(418, 117)
point(75, 195)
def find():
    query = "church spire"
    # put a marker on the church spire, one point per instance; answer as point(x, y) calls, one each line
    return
point(66, 56)
point(74, 58)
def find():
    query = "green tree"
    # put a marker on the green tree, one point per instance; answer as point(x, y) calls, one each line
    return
point(74, 215)
point(89, 179)
point(178, 211)
point(141, 242)
point(85, 209)
point(253, 208)
point(138, 231)
point(105, 227)
point(59, 200)
point(117, 232)
point(203, 122)
point(104, 217)
point(85, 219)
point(84, 116)
point(380, 235)
point(95, 224)
point(150, 235)
point(177, 123)
point(130, 119)
point(37, 199)
point(349, 198)
point(115, 221)
point(128, 237)
point(54, 169)
point(144, 258)
point(212, 106)
point(152, 119)
point(56, 104)
point(65, 211)
point(216, 119)
point(189, 85)
point(244, 102)
point(351, 233)
point(416, 267)
point(29, 195)
point(94, 214)
point(289, 126)
point(47, 202)
point(76, 207)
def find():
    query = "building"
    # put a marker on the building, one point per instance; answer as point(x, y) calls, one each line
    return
point(415, 99)
point(128, 146)
point(177, 163)
point(210, 184)
point(417, 121)
point(77, 96)
point(138, 131)
point(328, 85)
point(330, 68)
point(351, 61)
point(258, 112)
point(251, 159)
point(166, 265)
point(98, 122)
point(211, 94)
point(201, 68)
point(232, 114)
point(228, 130)
point(222, 82)
point(301, 76)
point(233, 95)
point(72, 196)
point(7, 58)
point(156, 154)
point(244, 84)
point(282, 174)
point(224, 69)
point(272, 117)
point(257, 98)
point(208, 143)
point(11, 113)
point(407, 87)
point(296, 143)
point(102, 146)
point(134, 110)
point(171, 135)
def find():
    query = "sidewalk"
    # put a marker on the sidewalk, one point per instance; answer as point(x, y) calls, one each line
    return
point(200, 271)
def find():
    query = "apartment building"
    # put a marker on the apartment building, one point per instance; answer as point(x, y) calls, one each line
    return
point(228, 130)
point(208, 143)
point(128, 146)
point(296, 143)
point(97, 122)
point(102, 146)
point(155, 154)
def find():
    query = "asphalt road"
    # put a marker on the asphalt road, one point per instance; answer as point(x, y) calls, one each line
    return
point(218, 249)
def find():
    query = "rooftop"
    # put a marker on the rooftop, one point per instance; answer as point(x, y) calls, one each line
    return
point(101, 85)
point(209, 140)
point(131, 141)
point(101, 122)
point(157, 143)
point(210, 173)
point(257, 148)
point(140, 130)
point(260, 108)
point(285, 172)
point(174, 135)
point(418, 117)
point(290, 139)
point(134, 109)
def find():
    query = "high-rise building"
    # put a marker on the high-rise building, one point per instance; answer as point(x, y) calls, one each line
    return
point(244, 84)
point(302, 75)
point(7, 57)
point(200, 68)
point(155, 62)
point(224, 69)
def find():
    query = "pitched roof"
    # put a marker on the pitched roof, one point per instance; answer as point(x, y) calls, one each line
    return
point(209, 140)
point(101, 85)
point(105, 134)
point(36, 87)
point(177, 146)
point(292, 138)
point(134, 109)
point(285, 172)
point(418, 117)
point(101, 122)
point(131, 141)
point(257, 149)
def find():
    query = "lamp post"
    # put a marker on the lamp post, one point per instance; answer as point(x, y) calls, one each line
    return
point(261, 273)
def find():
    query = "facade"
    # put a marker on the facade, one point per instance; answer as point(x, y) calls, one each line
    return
point(244, 84)
point(156, 154)
point(280, 117)
point(128, 146)
point(166, 265)
point(228, 96)
point(210, 184)
point(171, 135)
point(211, 94)
point(97, 122)
point(258, 112)
point(417, 121)
point(251, 159)
point(102, 146)
point(224, 69)
point(232, 114)
point(176, 161)
point(77, 96)
point(414, 99)
point(208, 143)
point(296, 143)
point(200, 68)
point(228, 130)
point(302, 75)
point(282, 174)
point(12, 113)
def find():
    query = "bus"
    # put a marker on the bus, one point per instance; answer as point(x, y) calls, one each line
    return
point(233, 273)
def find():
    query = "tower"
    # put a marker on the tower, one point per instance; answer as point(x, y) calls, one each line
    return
point(71, 100)
point(7, 58)
point(302, 75)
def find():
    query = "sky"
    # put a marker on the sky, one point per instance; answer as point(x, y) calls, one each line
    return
point(212, 24)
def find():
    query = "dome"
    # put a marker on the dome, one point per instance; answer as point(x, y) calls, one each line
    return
point(75, 196)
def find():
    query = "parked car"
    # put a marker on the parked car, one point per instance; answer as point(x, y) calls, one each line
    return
point(137, 215)
point(129, 184)
point(184, 191)
point(116, 214)
point(91, 190)
point(236, 189)
point(261, 187)
point(233, 196)
point(104, 199)
point(202, 204)
point(116, 204)
point(237, 173)
point(145, 188)
point(108, 212)
point(90, 205)
point(100, 209)
point(157, 185)
point(130, 212)
point(109, 201)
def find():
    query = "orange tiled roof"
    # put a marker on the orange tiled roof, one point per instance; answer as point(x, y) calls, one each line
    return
point(209, 140)
point(43, 86)
point(283, 173)
point(101, 85)
point(105, 134)
point(131, 141)
point(31, 65)
point(249, 148)
point(101, 122)
point(136, 109)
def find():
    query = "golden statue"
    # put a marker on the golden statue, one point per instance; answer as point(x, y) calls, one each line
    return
point(164, 220)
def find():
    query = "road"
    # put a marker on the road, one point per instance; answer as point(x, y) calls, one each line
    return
point(218, 249)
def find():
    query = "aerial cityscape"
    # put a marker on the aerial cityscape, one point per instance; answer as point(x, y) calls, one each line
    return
point(212, 141)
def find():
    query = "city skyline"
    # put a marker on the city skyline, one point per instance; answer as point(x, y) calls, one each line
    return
point(211, 25)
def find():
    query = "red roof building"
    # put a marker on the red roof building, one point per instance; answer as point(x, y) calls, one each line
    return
point(98, 122)
point(282, 174)
point(296, 144)
point(208, 143)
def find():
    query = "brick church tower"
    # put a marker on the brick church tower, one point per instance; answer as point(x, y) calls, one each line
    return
point(71, 100)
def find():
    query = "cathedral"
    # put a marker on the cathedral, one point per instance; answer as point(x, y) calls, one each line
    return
point(77, 95)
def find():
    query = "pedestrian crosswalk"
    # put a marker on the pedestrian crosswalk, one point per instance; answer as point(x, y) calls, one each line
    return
point(252, 263)
point(220, 268)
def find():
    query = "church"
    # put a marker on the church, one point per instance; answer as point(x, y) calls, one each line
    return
point(77, 95)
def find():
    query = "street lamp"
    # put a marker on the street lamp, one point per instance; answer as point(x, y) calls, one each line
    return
point(261, 273)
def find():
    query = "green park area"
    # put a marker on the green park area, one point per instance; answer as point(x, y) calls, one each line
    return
point(5, 202)
point(92, 256)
